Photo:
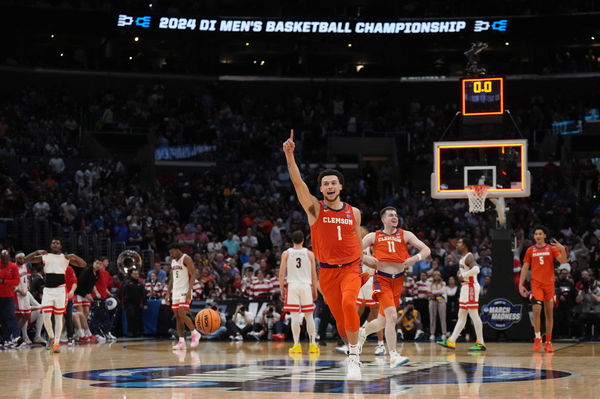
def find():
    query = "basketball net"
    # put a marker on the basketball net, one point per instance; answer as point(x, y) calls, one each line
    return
point(477, 194)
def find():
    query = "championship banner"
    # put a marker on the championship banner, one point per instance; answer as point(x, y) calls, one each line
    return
point(248, 25)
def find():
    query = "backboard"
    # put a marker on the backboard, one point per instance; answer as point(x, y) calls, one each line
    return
point(500, 164)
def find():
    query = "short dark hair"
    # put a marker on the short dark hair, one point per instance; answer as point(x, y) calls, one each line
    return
point(467, 242)
point(174, 245)
point(539, 227)
point(56, 239)
point(330, 172)
point(298, 237)
point(387, 208)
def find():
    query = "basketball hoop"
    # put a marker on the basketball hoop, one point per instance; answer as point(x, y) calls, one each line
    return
point(477, 194)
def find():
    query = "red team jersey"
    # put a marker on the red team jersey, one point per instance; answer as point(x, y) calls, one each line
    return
point(334, 239)
point(390, 247)
point(541, 262)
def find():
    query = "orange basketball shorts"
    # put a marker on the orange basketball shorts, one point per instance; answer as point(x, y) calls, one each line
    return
point(542, 292)
point(387, 288)
point(340, 285)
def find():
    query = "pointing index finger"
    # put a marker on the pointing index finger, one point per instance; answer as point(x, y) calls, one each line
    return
point(292, 134)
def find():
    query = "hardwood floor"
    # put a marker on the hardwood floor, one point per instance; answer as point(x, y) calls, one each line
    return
point(150, 369)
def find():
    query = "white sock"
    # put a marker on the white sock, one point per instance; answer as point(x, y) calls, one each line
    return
point(474, 313)
point(310, 327)
point(380, 343)
point(81, 332)
point(181, 339)
point(538, 335)
point(24, 332)
point(48, 325)
point(39, 324)
point(460, 324)
point(58, 325)
point(353, 349)
point(296, 327)
point(88, 333)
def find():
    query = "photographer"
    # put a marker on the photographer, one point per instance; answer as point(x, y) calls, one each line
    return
point(588, 300)
point(409, 321)
point(265, 324)
point(565, 294)
point(241, 323)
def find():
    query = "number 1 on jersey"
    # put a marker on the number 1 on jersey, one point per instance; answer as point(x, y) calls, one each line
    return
point(339, 228)
point(391, 246)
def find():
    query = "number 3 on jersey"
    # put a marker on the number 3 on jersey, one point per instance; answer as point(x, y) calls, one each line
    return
point(298, 263)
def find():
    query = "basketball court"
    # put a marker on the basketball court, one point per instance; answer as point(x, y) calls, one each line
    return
point(150, 369)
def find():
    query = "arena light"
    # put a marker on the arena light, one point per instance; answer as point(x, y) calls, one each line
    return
point(52, 37)
point(359, 68)
point(247, 44)
point(593, 38)
point(349, 45)
point(506, 43)
point(62, 54)
point(262, 63)
point(136, 39)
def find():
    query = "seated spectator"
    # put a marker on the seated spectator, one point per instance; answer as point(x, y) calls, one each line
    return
point(261, 287)
point(588, 310)
point(263, 328)
point(134, 237)
point(232, 246)
point(161, 275)
point(187, 240)
point(409, 322)
point(241, 323)
point(154, 288)
point(252, 263)
point(249, 240)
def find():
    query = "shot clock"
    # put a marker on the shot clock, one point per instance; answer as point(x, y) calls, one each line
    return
point(482, 96)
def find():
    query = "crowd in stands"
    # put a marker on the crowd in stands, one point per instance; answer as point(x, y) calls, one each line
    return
point(235, 219)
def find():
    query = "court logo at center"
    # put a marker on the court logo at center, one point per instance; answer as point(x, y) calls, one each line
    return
point(310, 376)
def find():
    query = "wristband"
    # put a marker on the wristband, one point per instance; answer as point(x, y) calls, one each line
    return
point(419, 256)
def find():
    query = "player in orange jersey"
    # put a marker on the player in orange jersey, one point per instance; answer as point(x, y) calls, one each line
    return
point(335, 233)
point(366, 300)
point(391, 257)
point(540, 258)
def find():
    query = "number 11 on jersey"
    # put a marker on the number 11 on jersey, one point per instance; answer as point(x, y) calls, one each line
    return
point(391, 246)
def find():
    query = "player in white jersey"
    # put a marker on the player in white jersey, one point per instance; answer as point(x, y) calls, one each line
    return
point(54, 297)
point(181, 282)
point(298, 264)
point(468, 302)
point(23, 311)
point(366, 300)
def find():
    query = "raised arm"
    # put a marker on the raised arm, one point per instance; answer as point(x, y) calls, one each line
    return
point(308, 201)
point(562, 258)
point(35, 256)
point(76, 260)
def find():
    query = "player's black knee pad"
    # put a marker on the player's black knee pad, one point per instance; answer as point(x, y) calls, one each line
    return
point(535, 301)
